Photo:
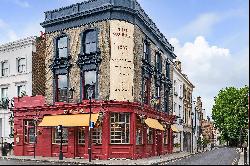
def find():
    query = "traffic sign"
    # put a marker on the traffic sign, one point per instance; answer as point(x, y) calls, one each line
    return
point(92, 124)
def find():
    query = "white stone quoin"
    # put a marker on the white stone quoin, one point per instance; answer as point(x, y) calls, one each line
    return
point(15, 77)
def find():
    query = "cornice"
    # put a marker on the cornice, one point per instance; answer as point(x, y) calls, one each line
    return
point(100, 10)
point(17, 44)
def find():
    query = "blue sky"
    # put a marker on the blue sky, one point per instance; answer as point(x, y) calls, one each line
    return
point(219, 27)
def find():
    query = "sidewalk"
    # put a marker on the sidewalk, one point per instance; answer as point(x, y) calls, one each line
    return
point(147, 161)
point(241, 160)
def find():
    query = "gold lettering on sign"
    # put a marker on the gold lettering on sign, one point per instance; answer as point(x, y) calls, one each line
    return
point(122, 60)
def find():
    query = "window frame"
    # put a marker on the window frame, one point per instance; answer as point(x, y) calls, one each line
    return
point(4, 68)
point(84, 89)
point(57, 91)
point(97, 135)
point(146, 51)
point(81, 135)
point(150, 136)
point(115, 125)
point(146, 90)
point(23, 66)
point(57, 46)
point(26, 135)
point(55, 134)
point(84, 36)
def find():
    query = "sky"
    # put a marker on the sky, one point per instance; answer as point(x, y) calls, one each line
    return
point(211, 37)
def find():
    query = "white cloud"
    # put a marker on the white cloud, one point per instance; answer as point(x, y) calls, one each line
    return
point(211, 68)
point(204, 23)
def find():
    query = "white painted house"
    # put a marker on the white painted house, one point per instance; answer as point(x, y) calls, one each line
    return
point(178, 83)
point(15, 78)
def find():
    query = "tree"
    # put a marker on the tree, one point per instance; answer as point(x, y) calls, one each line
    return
point(230, 114)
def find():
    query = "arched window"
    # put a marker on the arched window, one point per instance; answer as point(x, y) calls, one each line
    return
point(90, 42)
point(62, 47)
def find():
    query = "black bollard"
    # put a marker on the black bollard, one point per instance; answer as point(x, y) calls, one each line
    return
point(245, 155)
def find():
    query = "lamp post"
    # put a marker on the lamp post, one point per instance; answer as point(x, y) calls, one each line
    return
point(90, 93)
point(59, 130)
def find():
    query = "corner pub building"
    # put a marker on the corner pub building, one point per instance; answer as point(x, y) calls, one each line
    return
point(114, 49)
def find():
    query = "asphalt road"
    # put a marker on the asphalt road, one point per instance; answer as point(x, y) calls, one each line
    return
point(221, 156)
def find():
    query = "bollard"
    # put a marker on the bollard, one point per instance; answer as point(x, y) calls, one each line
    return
point(245, 155)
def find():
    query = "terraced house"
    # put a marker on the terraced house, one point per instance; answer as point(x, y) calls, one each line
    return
point(108, 60)
point(21, 73)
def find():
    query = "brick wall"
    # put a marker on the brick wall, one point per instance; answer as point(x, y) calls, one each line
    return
point(38, 68)
point(75, 47)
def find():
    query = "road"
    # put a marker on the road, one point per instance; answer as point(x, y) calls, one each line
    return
point(221, 156)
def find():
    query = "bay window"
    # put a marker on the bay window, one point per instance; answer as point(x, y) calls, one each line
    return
point(120, 128)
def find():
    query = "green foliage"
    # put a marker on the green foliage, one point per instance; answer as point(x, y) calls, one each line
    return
point(230, 113)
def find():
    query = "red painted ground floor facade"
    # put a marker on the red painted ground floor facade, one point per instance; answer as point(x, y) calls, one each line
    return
point(122, 130)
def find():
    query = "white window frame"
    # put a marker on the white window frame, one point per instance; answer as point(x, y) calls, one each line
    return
point(81, 136)
point(116, 132)
point(97, 135)
point(56, 138)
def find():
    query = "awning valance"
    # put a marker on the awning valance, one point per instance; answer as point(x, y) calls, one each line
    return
point(175, 128)
point(153, 123)
point(79, 120)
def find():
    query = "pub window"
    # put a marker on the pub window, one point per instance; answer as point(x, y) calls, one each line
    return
point(81, 135)
point(21, 65)
point(158, 62)
point(97, 135)
point(165, 137)
point(89, 80)
point(146, 90)
point(146, 51)
point(90, 42)
point(139, 136)
point(150, 135)
point(120, 128)
point(56, 139)
point(62, 47)
point(29, 131)
point(5, 68)
point(61, 87)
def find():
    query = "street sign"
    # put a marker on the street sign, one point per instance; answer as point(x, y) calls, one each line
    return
point(92, 124)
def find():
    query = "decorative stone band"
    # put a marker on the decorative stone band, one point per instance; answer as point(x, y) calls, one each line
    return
point(17, 44)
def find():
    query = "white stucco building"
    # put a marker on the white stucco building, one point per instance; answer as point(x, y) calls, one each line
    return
point(178, 83)
point(15, 78)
